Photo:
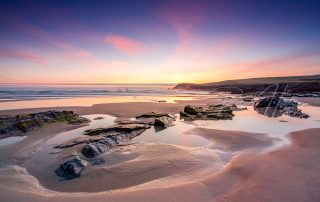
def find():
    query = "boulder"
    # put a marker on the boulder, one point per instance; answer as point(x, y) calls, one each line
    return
point(216, 112)
point(111, 137)
point(94, 149)
point(183, 114)
point(10, 125)
point(280, 106)
point(71, 169)
point(163, 122)
point(192, 110)
point(274, 102)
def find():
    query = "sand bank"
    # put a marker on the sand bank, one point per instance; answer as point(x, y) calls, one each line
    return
point(286, 174)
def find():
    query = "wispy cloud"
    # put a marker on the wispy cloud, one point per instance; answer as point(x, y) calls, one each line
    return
point(24, 56)
point(125, 44)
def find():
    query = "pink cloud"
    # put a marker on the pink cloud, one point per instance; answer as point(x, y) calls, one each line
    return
point(24, 56)
point(124, 44)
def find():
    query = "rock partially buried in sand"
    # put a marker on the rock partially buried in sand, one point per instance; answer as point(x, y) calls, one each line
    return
point(163, 123)
point(94, 149)
point(9, 125)
point(98, 118)
point(111, 137)
point(153, 115)
point(287, 107)
point(192, 110)
point(159, 120)
point(71, 169)
point(118, 128)
point(216, 112)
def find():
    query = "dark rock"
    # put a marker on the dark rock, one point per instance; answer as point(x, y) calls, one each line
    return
point(71, 169)
point(216, 112)
point(163, 122)
point(192, 110)
point(79, 140)
point(91, 150)
point(96, 131)
point(279, 107)
point(183, 114)
point(98, 118)
point(220, 116)
point(10, 125)
point(153, 115)
point(94, 149)
point(274, 102)
point(111, 137)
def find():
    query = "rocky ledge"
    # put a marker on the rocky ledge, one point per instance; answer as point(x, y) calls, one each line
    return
point(279, 107)
point(212, 112)
point(100, 140)
point(12, 125)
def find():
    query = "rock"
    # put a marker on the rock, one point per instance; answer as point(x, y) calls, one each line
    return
point(79, 140)
point(10, 125)
point(145, 122)
point(78, 121)
point(274, 102)
point(111, 137)
point(279, 105)
point(91, 150)
point(296, 113)
point(96, 131)
point(183, 114)
point(216, 112)
point(98, 118)
point(71, 169)
point(220, 116)
point(163, 122)
point(153, 115)
point(192, 110)
point(94, 149)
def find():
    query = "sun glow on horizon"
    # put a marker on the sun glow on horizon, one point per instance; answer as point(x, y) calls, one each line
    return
point(159, 42)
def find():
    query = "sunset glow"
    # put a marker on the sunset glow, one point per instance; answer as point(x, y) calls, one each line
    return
point(156, 41)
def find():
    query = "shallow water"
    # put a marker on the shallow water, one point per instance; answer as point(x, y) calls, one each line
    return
point(11, 140)
point(68, 135)
point(246, 120)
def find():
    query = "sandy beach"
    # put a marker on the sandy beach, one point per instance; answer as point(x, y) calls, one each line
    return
point(163, 100)
point(241, 171)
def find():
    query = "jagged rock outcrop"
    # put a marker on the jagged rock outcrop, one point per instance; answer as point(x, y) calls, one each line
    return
point(10, 125)
point(280, 106)
point(100, 140)
point(71, 169)
point(216, 112)
point(111, 137)
point(163, 122)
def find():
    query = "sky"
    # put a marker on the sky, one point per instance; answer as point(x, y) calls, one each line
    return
point(137, 41)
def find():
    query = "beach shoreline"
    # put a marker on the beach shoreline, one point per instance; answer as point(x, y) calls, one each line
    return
point(159, 171)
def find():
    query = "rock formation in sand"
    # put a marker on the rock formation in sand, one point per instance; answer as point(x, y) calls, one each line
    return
point(22, 123)
point(215, 112)
point(278, 106)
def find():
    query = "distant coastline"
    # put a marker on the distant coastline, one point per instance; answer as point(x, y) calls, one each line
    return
point(289, 84)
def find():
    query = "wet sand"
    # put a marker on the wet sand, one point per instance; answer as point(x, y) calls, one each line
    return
point(233, 140)
point(286, 174)
point(166, 172)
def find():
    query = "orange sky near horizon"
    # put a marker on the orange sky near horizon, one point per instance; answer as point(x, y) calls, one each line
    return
point(156, 42)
